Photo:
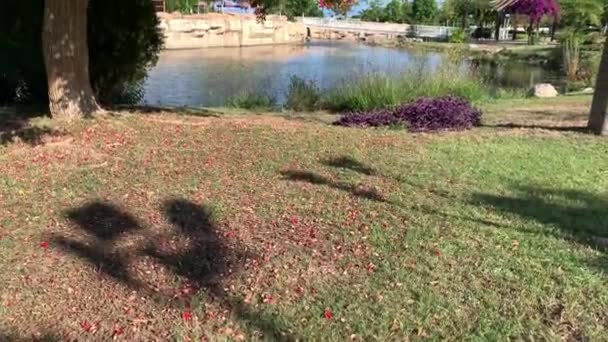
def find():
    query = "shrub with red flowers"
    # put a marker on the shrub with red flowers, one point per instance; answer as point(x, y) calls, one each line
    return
point(425, 115)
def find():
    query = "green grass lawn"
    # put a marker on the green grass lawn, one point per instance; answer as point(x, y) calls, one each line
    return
point(187, 228)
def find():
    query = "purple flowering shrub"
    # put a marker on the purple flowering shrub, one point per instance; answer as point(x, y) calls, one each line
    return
point(536, 9)
point(425, 115)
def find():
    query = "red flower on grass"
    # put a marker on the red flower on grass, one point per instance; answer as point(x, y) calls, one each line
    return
point(86, 326)
point(44, 245)
point(187, 316)
point(294, 220)
point(328, 314)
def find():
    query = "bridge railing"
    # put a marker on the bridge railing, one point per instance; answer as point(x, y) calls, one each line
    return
point(421, 31)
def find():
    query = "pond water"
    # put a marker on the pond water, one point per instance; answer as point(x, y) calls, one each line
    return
point(208, 77)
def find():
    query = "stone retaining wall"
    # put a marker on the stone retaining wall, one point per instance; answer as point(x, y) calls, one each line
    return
point(228, 30)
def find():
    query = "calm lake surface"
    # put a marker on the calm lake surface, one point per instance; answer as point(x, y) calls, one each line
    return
point(208, 77)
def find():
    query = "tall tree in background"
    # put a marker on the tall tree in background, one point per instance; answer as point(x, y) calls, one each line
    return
point(307, 8)
point(296, 8)
point(424, 11)
point(461, 10)
point(375, 12)
point(394, 12)
point(184, 6)
point(66, 59)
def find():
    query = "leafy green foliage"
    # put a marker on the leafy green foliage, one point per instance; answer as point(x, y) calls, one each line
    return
point(580, 14)
point(395, 11)
point(459, 36)
point(124, 41)
point(296, 8)
point(184, 6)
point(462, 11)
point(22, 74)
point(424, 11)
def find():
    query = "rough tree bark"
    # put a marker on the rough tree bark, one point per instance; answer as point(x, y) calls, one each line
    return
point(66, 58)
point(598, 119)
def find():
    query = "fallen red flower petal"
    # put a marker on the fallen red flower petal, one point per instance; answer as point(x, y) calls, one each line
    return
point(186, 315)
point(328, 314)
point(44, 245)
point(86, 326)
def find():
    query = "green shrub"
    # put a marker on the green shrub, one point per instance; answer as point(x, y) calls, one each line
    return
point(302, 95)
point(589, 66)
point(570, 41)
point(251, 100)
point(123, 44)
point(459, 36)
point(594, 38)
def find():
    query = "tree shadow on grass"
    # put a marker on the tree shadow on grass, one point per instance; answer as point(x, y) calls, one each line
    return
point(573, 129)
point(15, 125)
point(30, 135)
point(147, 110)
point(313, 178)
point(350, 163)
point(103, 224)
point(14, 337)
point(207, 258)
point(202, 258)
point(577, 215)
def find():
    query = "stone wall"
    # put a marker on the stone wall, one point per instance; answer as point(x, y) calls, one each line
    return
point(228, 30)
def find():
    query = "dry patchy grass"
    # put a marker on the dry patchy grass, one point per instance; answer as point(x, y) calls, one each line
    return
point(170, 227)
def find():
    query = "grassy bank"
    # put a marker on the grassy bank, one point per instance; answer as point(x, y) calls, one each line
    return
point(167, 226)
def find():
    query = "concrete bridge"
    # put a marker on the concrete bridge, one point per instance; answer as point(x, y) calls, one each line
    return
point(325, 28)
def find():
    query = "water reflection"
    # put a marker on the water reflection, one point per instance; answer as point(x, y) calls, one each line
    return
point(208, 77)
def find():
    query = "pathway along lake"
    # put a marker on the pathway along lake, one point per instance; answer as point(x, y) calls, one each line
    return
point(208, 77)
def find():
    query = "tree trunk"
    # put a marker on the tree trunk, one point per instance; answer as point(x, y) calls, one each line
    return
point(66, 58)
point(598, 119)
point(497, 25)
point(531, 40)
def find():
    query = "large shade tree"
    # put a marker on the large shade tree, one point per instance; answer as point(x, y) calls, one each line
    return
point(84, 51)
point(66, 59)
